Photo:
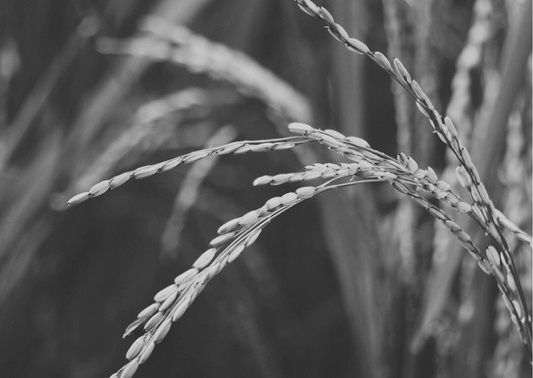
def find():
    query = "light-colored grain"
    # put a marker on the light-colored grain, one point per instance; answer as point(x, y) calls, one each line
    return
point(165, 293)
point(130, 369)
point(149, 311)
point(219, 240)
point(204, 259)
point(186, 276)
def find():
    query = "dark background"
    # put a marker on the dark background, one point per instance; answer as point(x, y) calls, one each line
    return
point(353, 283)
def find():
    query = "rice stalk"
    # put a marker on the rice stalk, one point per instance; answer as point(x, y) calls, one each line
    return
point(462, 109)
point(468, 176)
point(363, 165)
point(148, 129)
point(235, 235)
point(369, 166)
point(235, 148)
point(516, 166)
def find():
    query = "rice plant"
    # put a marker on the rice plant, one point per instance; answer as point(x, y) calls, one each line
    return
point(360, 164)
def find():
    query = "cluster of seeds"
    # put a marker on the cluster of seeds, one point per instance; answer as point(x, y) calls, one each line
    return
point(171, 302)
point(482, 211)
point(370, 164)
point(443, 126)
point(234, 148)
point(503, 221)
point(366, 165)
point(326, 171)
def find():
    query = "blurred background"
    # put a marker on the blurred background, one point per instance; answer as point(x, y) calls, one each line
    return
point(353, 283)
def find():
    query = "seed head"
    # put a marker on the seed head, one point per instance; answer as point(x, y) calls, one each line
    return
point(423, 110)
point(485, 266)
point(358, 142)
point(119, 180)
point(326, 16)
point(483, 193)
point(235, 253)
point(388, 176)
point(437, 213)
point(162, 331)
point(452, 226)
point(130, 369)
point(230, 148)
point(253, 237)
point(79, 198)
point(463, 207)
point(477, 211)
point(402, 71)
point(283, 146)
point(163, 294)
point(243, 149)
point(443, 185)
point(248, 218)
point(305, 9)
point(400, 187)
point(134, 326)
point(462, 236)
point(99, 188)
point(149, 311)
point(306, 192)
point(440, 194)
point(263, 180)
point(229, 226)
point(419, 173)
point(311, 175)
point(153, 321)
point(273, 203)
point(504, 222)
point(179, 310)
point(205, 259)
point(342, 33)
point(452, 199)
point(135, 348)
point(330, 141)
point(511, 282)
point(219, 240)
point(168, 302)
point(146, 352)
point(312, 7)
point(263, 147)
point(171, 164)
point(517, 308)
point(357, 46)
point(418, 91)
point(493, 256)
point(382, 61)
point(300, 128)
point(451, 127)
point(289, 198)
point(464, 179)
point(195, 156)
point(335, 134)
point(144, 172)
point(190, 273)
point(282, 178)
